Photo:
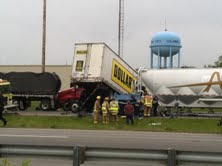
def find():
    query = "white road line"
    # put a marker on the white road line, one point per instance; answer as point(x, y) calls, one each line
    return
point(33, 136)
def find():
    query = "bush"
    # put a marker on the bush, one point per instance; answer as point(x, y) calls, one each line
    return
point(6, 162)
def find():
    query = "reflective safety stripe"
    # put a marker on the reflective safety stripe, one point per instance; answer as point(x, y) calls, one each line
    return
point(148, 105)
point(113, 109)
point(114, 106)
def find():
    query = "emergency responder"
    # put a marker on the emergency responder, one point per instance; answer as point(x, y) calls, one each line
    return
point(147, 105)
point(155, 105)
point(129, 112)
point(105, 110)
point(2, 103)
point(114, 110)
point(97, 108)
point(142, 106)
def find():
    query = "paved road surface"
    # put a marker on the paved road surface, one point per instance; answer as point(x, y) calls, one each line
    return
point(118, 139)
point(115, 139)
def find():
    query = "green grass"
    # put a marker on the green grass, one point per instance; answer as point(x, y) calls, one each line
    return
point(205, 110)
point(6, 162)
point(198, 110)
point(34, 104)
point(167, 125)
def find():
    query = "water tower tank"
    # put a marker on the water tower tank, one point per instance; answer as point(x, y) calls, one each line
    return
point(165, 44)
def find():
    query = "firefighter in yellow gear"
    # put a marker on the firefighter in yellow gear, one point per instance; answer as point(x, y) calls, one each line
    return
point(142, 100)
point(147, 105)
point(114, 110)
point(96, 109)
point(105, 111)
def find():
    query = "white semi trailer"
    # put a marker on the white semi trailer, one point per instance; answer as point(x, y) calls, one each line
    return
point(185, 87)
point(99, 70)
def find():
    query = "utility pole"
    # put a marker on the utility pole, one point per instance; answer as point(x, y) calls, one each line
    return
point(43, 36)
point(121, 28)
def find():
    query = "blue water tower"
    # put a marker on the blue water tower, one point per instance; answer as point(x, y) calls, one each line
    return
point(165, 45)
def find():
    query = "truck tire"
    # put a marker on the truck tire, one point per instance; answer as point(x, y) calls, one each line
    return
point(22, 105)
point(67, 105)
point(45, 105)
point(74, 105)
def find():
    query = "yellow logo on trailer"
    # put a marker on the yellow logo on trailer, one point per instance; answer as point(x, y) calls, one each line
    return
point(122, 76)
point(81, 52)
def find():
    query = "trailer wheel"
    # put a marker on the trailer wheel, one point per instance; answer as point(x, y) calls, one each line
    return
point(22, 105)
point(45, 105)
point(74, 105)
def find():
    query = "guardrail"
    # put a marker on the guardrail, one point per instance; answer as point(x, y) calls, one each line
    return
point(79, 154)
point(76, 153)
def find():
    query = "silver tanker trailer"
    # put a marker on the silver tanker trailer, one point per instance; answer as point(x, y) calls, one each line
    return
point(185, 87)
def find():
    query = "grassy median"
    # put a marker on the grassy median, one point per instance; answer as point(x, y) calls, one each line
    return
point(146, 124)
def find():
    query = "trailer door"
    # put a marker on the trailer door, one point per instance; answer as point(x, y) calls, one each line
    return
point(95, 61)
point(81, 61)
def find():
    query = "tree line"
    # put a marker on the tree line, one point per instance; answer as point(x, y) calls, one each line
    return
point(217, 63)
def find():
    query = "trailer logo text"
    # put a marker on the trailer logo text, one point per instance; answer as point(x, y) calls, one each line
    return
point(122, 77)
point(81, 52)
point(208, 84)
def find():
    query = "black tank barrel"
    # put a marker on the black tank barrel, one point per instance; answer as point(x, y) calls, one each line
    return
point(33, 83)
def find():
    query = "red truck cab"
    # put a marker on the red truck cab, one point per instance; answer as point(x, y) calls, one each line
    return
point(70, 99)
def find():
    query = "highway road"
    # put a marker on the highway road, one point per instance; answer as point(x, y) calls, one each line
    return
point(115, 139)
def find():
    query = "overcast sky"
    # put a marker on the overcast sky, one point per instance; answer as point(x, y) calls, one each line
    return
point(197, 22)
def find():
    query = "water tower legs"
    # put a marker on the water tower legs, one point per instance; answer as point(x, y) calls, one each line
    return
point(151, 58)
point(179, 59)
point(165, 62)
point(159, 58)
point(171, 58)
